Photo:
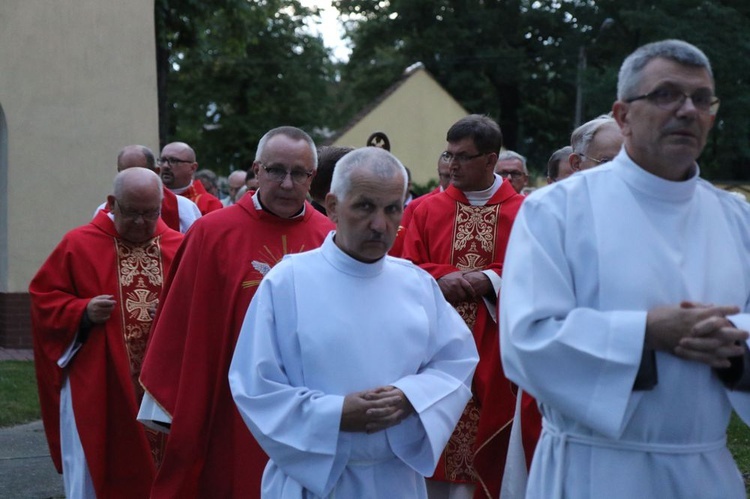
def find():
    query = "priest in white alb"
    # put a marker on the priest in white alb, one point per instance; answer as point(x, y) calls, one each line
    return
point(626, 302)
point(351, 370)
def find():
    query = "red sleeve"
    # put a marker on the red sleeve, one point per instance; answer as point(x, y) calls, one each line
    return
point(418, 246)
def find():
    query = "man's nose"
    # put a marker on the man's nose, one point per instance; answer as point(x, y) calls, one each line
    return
point(287, 183)
point(378, 221)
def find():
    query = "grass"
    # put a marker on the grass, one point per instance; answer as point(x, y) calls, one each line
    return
point(738, 441)
point(18, 396)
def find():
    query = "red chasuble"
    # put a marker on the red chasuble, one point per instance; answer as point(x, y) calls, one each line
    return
point(447, 234)
point(210, 452)
point(205, 201)
point(398, 244)
point(92, 260)
point(170, 211)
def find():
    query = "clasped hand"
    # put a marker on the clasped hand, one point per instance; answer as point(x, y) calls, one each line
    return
point(463, 286)
point(374, 410)
point(697, 332)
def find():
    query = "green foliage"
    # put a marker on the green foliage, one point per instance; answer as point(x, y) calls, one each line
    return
point(518, 61)
point(19, 402)
point(237, 69)
point(231, 69)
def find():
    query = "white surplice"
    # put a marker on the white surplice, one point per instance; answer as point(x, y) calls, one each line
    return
point(323, 325)
point(587, 258)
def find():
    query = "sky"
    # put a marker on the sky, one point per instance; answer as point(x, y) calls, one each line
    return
point(330, 28)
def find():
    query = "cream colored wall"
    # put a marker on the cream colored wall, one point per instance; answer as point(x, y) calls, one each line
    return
point(416, 118)
point(77, 82)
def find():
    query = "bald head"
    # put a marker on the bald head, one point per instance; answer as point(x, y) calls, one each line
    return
point(136, 156)
point(138, 180)
point(136, 204)
point(236, 181)
point(178, 165)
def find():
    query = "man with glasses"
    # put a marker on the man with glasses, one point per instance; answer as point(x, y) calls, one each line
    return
point(626, 301)
point(177, 166)
point(92, 304)
point(594, 143)
point(512, 166)
point(459, 236)
point(178, 212)
point(210, 452)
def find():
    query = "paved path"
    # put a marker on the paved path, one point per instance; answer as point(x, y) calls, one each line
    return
point(15, 354)
point(26, 470)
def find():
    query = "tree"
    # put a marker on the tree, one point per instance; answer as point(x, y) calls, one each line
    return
point(233, 69)
point(517, 61)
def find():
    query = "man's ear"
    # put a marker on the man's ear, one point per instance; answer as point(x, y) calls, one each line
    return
point(331, 204)
point(110, 202)
point(256, 168)
point(575, 161)
point(620, 112)
point(492, 161)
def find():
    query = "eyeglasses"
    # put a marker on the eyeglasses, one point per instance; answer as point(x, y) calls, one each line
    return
point(278, 174)
point(597, 161)
point(172, 162)
point(150, 215)
point(671, 99)
point(461, 159)
point(513, 175)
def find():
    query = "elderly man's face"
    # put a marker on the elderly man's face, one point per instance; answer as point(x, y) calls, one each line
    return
point(666, 141)
point(136, 214)
point(177, 166)
point(603, 148)
point(368, 217)
point(235, 181)
point(512, 169)
point(444, 174)
point(292, 159)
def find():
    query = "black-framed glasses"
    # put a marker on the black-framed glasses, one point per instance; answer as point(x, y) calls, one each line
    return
point(670, 99)
point(515, 175)
point(461, 158)
point(149, 215)
point(599, 161)
point(278, 174)
point(172, 162)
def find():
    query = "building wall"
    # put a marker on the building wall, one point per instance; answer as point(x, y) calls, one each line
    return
point(415, 118)
point(77, 82)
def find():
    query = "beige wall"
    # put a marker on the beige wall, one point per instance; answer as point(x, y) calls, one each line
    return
point(77, 82)
point(416, 118)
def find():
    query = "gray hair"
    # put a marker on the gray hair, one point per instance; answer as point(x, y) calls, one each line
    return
point(207, 175)
point(675, 50)
point(582, 136)
point(508, 154)
point(553, 165)
point(376, 160)
point(293, 133)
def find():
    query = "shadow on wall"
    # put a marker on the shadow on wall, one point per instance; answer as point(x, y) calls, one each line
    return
point(3, 202)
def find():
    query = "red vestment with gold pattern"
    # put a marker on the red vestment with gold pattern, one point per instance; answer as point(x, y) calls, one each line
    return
point(210, 451)
point(197, 194)
point(93, 260)
point(447, 234)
